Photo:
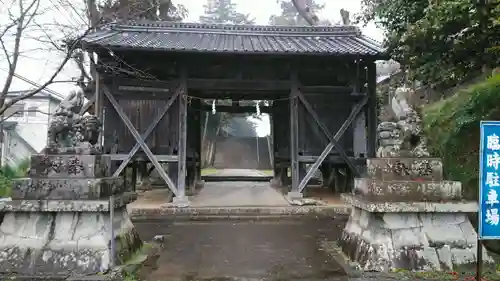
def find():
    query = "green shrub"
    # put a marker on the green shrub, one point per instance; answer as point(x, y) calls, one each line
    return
point(7, 173)
point(452, 128)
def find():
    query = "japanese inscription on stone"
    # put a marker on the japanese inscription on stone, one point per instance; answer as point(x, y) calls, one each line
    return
point(489, 184)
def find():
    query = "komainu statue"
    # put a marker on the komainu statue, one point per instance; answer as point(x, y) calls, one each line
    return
point(402, 136)
point(68, 129)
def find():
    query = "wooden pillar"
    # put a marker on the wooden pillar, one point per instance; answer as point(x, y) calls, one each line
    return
point(99, 108)
point(371, 110)
point(359, 125)
point(199, 145)
point(294, 136)
point(276, 174)
point(181, 200)
point(134, 175)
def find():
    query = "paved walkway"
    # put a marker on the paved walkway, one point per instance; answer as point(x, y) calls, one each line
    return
point(284, 249)
point(238, 173)
point(232, 194)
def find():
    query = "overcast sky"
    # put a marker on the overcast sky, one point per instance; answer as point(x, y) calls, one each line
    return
point(39, 65)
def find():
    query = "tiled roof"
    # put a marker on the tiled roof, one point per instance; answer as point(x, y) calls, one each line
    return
point(193, 37)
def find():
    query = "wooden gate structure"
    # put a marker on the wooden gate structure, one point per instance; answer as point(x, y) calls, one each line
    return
point(155, 76)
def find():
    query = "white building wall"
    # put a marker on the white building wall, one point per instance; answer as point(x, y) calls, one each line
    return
point(32, 126)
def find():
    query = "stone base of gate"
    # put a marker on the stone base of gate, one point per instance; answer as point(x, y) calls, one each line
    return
point(139, 266)
point(420, 241)
point(64, 243)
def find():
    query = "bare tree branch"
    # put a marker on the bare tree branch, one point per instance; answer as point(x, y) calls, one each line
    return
point(25, 17)
point(68, 56)
point(305, 11)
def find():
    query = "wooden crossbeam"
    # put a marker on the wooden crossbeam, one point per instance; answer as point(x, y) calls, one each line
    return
point(218, 84)
point(87, 105)
point(137, 137)
point(144, 158)
point(236, 109)
point(333, 140)
point(148, 131)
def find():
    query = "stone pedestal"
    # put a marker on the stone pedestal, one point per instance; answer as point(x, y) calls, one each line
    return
point(58, 223)
point(405, 216)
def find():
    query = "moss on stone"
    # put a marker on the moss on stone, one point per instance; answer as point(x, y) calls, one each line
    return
point(126, 245)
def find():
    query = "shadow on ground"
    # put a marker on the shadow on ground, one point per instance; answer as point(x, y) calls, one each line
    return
point(272, 249)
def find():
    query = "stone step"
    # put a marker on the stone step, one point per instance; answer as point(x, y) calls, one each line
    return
point(84, 206)
point(388, 169)
point(66, 188)
point(404, 191)
point(70, 165)
point(453, 206)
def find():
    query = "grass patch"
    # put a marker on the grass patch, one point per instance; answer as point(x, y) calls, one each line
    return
point(7, 173)
point(208, 171)
point(267, 172)
point(452, 128)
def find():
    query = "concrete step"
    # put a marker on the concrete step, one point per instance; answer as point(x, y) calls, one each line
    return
point(240, 213)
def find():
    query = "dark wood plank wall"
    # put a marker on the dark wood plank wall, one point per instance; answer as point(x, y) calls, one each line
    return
point(142, 106)
point(333, 111)
point(163, 140)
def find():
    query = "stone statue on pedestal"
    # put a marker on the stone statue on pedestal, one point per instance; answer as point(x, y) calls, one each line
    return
point(69, 130)
point(405, 214)
point(402, 137)
point(58, 223)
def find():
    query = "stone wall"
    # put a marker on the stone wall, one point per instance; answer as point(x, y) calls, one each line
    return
point(418, 241)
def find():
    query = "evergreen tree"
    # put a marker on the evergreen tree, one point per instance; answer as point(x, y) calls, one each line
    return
point(224, 11)
point(291, 17)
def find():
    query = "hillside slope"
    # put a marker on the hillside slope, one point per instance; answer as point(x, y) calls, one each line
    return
point(452, 128)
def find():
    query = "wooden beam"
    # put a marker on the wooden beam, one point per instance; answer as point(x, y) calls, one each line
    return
point(371, 110)
point(333, 140)
point(236, 84)
point(88, 104)
point(148, 131)
point(235, 109)
point(182, 141)
point(99, 108)
point(142, 158)
point(331, 158)
point(326, 89)
point(294, 130)
point(137, 137)
point(218, 84)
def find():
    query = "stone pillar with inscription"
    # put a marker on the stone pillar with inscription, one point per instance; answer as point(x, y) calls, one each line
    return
point(404, 214)
point(58, 223)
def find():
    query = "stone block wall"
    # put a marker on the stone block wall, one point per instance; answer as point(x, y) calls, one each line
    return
point(425, 241)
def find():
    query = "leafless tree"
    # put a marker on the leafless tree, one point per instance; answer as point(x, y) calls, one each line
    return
point(20, 21)
point(305, 11)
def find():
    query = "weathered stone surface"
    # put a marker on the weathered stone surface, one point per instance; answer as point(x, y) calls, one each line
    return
point(67, 205)
point(57, 244)
point(444, 255)
point(66, 188)
point(73, 166)
point(407, 216)
point(412, 241)
point(389, 169)
point(396, 191)
point(398, 221)
point(410, 207)
point(428, 258)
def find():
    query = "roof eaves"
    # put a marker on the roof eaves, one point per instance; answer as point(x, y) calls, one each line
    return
point(236, 29)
